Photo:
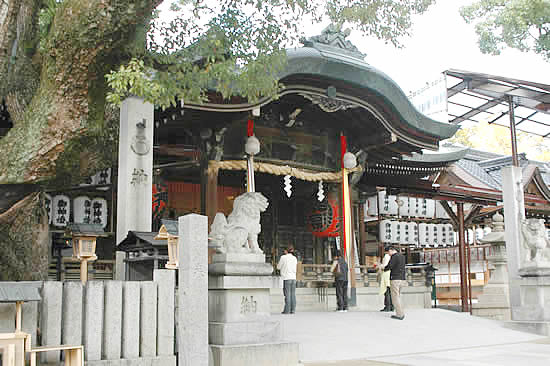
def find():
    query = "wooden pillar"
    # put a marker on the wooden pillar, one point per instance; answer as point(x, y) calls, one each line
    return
point(211, 192)
point(204, 181)
point(462, 257)
point(18, 311)
point(362, 235)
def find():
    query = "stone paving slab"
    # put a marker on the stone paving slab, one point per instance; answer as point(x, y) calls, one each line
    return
point(350, 363)
point(525, 353)
point(424, 337)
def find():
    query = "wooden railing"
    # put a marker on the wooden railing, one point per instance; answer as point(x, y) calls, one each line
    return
point(70, 270)
point(314, 275)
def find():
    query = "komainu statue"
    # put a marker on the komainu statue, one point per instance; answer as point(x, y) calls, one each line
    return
point(535, 241)
point(239, 233)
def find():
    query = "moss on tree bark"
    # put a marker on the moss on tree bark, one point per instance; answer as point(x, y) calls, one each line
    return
point(55, 95)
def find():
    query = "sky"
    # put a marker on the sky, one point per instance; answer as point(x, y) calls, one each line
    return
point(440, 39)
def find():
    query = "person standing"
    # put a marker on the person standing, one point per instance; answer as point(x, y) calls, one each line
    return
point(340, 269)
point(385, 286)
point(396, 266)
point(287, 268)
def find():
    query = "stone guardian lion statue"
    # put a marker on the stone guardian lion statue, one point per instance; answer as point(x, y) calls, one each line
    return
point(239, 232)
point(535, 240)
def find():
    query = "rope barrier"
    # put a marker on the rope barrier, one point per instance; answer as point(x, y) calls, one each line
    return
point(310, 176)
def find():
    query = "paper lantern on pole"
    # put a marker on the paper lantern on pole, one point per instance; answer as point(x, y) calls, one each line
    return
point(48, 204)
point(406, 233)
point(99, 212)
point(350, 161)
point(413, 208)
point(372, 208)
point(385, 228)
point(423, 234)
point(61, 209)
point(403, 205)
point(82, 210)
point(103, 177)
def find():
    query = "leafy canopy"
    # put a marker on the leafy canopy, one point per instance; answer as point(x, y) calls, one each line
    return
point(496, 139)
point(237, 47)
point(521, 24)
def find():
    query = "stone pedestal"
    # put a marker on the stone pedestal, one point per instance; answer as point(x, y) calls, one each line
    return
point(494, 302)
point(240, 328)
point(533, 314)
point(528, 264)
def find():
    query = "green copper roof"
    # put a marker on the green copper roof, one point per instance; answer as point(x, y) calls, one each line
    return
point(330, 62)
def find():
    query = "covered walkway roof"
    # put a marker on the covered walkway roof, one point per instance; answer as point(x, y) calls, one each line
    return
point(481, 97)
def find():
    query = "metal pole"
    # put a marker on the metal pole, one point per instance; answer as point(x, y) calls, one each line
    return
point(250, 183)
point(513, 130)
point(468, 257)
point(462, 257)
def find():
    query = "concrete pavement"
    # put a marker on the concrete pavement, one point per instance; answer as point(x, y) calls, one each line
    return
point(426, 337)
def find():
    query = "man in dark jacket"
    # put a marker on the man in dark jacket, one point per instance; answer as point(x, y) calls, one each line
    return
point(340, 269)
point(397, 280)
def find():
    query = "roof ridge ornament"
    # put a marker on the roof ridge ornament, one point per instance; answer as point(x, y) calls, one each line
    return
point(333, 37)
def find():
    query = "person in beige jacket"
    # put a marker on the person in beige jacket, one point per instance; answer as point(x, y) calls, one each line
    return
point(385, 282)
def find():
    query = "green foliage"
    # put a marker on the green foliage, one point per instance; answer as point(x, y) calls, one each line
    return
point(237, 47)
point(45, 20)
point(520, 24)
point(497, 139)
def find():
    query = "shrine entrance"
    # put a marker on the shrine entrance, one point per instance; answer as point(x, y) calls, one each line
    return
point(332, 103)
point(295, 219)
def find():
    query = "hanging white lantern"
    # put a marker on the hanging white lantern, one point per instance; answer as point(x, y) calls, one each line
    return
point(61, 209)
point(403, 205)
point(385, 231)
point(82, 210)
point(287, 185)
point(321, 192)
point(48, 205)
point(405, 233)
point(423, 234)
point(396, 232)
point(99, 212)
point(102, 177)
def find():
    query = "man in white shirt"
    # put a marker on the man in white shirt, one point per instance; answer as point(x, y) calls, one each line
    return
point(287, 268)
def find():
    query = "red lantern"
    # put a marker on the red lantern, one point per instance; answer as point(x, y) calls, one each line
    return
point(324, 220)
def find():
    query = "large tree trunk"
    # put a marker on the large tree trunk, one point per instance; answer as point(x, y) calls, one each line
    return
point(55, 95)
point(24, 241)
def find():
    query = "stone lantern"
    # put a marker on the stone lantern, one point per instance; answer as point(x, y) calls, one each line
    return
point(494, 302)
point(84, 238)
point(169, 232)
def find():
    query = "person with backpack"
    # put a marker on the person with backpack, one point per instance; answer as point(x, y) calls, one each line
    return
point(340, 269)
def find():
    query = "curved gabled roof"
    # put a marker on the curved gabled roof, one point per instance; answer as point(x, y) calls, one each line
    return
point(330, 70)
point(329, 64)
